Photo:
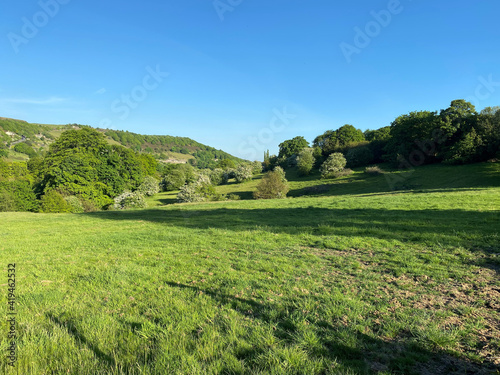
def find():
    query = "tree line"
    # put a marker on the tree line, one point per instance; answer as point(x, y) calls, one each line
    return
point(455, 135)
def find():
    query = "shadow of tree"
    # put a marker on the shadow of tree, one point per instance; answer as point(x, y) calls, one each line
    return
point(70, 327)
point(363, 354)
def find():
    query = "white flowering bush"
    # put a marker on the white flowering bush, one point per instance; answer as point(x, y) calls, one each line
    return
point(243, 173)
point(198, 191)
point(149, 187)
point(333, 165)
point(130, 200)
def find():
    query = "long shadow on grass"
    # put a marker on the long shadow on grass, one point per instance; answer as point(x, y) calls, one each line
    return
point(340, 341)
point(472, 229)
point(69, 327)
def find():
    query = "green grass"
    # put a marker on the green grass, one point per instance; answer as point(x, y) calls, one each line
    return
point(354, 282)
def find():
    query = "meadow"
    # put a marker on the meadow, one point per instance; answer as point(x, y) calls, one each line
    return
point(357, 275)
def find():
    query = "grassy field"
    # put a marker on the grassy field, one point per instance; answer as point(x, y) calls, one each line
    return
point(353, 278)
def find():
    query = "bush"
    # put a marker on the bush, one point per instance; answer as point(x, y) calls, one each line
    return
point(335, 163)
point(273, 185)
point(54, 202)
point(74, 204)
point(7, 203)
point(359, 157)
point(281, 173)
point(149, 187)
point(199, 191)
point(257, 167)
point(233, 197)
point(218, 177)
point(26, 149)
point(305, 161)
point(373, 171)
point(130, 200)
point(243, 173)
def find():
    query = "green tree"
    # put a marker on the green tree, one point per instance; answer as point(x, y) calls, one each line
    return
point(292, 147)
point(305, 161)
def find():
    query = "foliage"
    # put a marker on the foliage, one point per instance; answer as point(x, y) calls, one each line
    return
point(414, 139)
point(129, 200)
point(7, 203)
point(80, 162)
point(334, 141)
point(334, 164)
point(53, 202)
point(198, 191)
point(305, 161)
point(257, 167)
point(273, 185)
point(226, 164)
point(74, 204)
point(292, 147)
point(243, 173)
point(359, 157)
point(176, 175)
point(149, 187)
point(23, 148)
point(205, 156)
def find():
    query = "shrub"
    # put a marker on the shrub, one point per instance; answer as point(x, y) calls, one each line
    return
point(233, 197)
point(130, 200)
point(257, 167)
point(26, 149)
point(373, 171)
point(74, 204)
point(359, 157)
point(281, 172)
point(305, 161)
point(199, 191)
point(217, 177)
point(273, 185)
point(149, 187)
point(53, 202)
point(335, 163)
point(7, 203)
point(243, 173)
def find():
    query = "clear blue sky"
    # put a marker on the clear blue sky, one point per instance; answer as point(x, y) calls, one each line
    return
point(79, 61)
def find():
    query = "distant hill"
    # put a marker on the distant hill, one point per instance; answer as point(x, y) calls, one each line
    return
point(165, 148)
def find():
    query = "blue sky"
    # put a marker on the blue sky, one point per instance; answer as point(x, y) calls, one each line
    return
point(245, 75)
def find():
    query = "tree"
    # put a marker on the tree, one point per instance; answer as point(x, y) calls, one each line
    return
point(226, 164)
point(273, 185)
point(305, 161)
point(415, 138)
point(359, 157)
point(348, 134)
point(333, 165)
point(292, 147)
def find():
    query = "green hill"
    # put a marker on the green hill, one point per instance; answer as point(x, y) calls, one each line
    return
point(163, 147)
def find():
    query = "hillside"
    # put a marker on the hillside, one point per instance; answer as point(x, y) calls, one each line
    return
point(165, 148)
